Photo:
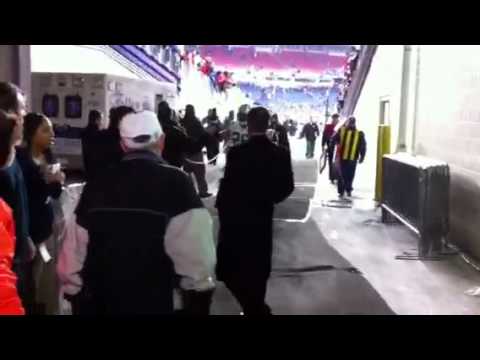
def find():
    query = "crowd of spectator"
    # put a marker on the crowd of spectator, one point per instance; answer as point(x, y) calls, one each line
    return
point(273, 59)
point(135, 189)
point(221, 81)
point(349, 71)
point(31, 182)
point(298, 103)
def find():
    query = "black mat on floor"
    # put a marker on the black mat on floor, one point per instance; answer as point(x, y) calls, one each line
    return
point(309, 277)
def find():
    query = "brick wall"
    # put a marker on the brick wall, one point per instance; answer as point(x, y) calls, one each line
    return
point(449, 129)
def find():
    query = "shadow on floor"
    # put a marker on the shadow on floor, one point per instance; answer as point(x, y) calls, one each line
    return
point(309, 277)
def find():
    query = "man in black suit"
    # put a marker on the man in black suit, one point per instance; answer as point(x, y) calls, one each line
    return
point(258, 175)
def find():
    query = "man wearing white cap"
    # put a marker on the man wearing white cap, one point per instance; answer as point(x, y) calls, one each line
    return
point(142, 181)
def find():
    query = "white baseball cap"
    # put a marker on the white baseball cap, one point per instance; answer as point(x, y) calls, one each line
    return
point(140, 130)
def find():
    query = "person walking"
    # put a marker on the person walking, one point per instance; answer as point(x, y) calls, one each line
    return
point(89, 139)
point(237, 131)
point(328, 147)
point(280, 134)
point(310, 132)
point(229, 119)
point(194, 158)
point(107, 147)
point(160, 210)
point(214, 129)
point(351, 148)
point(176, 141)
point(258, 175)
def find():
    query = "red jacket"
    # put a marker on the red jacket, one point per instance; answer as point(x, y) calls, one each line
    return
point(327, 134)
point(206, 68)
point(10, 303)
point(221, 79)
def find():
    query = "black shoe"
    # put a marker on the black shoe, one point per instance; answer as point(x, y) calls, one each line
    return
point(349, 194)
point(206, 195)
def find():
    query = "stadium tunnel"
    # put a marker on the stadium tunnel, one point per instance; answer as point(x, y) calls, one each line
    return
point(416, 196)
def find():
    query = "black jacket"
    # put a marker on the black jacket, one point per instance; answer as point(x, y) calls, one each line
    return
point(198, 138)
point(144, 285)
point(176, 144)
point(281, 136)
point(310, 132)
point(90, 149)
point(14, 192)
point(258, 174)
point(39, 194)
point(105, 150)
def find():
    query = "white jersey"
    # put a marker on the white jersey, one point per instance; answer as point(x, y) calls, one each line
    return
point(236, 135)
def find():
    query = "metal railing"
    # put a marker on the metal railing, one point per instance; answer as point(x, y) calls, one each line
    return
point(416, 192)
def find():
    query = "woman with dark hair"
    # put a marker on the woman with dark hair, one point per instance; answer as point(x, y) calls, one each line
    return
point(10, 303)
point(43, 179)
point(89, 137)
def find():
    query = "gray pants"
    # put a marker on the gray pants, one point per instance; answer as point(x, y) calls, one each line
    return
point(198, 170)
point(310, 149)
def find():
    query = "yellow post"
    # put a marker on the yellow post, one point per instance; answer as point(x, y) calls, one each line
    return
point(383, 147)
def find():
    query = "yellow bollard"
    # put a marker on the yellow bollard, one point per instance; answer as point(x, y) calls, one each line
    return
point(383, 148)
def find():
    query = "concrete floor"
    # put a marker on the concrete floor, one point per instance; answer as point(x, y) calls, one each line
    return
point(330, 260)
point(341, 260)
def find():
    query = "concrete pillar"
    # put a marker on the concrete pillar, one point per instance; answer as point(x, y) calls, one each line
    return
point(416, 101)
point(402, 127)
point(15, 66)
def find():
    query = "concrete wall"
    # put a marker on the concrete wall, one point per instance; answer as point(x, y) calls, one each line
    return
point(383, 82)
point(449, 129)
point(448, 125)
point(15, 66)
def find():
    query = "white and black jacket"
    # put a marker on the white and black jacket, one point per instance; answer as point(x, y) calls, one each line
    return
point(143, 181)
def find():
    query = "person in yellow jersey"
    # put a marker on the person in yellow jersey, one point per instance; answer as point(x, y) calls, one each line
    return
point(351, 148)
